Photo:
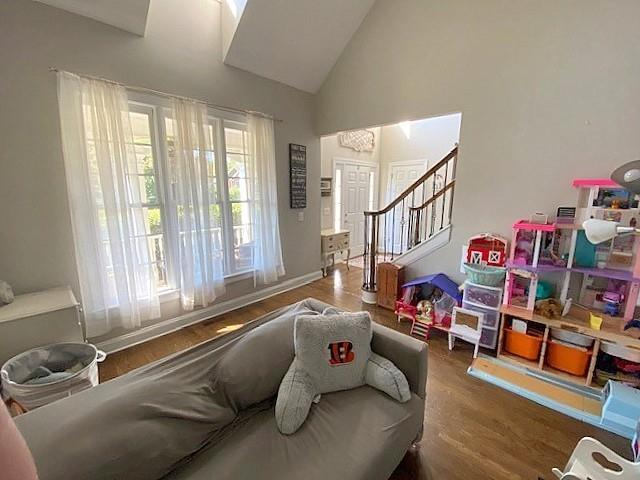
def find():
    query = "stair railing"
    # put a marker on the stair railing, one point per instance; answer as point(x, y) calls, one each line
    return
point(413, 217)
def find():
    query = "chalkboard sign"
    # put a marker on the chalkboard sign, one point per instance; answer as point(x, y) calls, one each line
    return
point(298, 175)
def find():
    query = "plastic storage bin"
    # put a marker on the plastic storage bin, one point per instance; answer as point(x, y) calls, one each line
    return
point(482, 295)
point(525, 345)
point(567, 358)
point(491, 316)
point(488, 338)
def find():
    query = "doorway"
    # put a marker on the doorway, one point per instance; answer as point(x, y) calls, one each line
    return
point(355, 192)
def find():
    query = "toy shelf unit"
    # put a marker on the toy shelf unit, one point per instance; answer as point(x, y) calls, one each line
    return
point(568, 348)
point(486, 300)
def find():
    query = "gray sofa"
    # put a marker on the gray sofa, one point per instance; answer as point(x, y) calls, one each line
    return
point(208, 413)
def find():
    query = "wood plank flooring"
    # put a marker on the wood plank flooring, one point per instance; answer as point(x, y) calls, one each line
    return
point(472, 429)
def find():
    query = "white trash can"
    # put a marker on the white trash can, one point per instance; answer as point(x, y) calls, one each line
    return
point(45, 374)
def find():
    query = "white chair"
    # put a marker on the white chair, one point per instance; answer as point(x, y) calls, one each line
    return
point(592, 460)
point(467, 325)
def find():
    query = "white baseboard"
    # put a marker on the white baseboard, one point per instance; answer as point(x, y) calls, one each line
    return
point(164, 327)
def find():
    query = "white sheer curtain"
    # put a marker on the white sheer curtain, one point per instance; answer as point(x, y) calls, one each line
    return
point(268, 264)
point(200, 262)
point(112, 254)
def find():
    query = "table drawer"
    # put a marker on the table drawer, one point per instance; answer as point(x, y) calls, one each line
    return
point(331, 243)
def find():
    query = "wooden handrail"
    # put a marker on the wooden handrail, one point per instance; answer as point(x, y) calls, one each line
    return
point(432, 199)
point(415, 184)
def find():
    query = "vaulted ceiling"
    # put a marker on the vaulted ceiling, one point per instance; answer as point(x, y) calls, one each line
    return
point(295, 42)
point(129, 15)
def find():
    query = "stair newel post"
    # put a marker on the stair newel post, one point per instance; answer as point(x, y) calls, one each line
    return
point(365, 254)
point(370, 258)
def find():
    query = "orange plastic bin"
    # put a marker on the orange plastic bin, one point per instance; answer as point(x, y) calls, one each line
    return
point(524, 345)
point(573, 360)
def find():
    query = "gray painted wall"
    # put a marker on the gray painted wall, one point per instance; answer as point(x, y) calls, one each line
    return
point(181, 54)
point(548, 90)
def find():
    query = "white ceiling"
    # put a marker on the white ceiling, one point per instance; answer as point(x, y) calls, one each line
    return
point(129, 15)
point(295, 42)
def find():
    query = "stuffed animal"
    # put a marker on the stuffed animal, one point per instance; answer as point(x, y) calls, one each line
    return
point(333, 353)
point(6, 293)
point(549, 308)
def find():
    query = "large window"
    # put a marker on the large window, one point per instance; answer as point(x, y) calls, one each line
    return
point(229, 189)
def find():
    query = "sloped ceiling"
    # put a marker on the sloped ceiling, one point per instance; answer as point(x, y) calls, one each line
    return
point(129, 15)
point(295, 42)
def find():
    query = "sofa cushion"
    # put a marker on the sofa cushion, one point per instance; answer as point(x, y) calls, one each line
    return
point(332, 353)
point(359, 434)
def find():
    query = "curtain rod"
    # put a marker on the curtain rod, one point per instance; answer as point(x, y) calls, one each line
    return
point(167, 95)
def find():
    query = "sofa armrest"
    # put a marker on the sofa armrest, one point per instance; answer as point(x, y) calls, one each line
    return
point(407, 353)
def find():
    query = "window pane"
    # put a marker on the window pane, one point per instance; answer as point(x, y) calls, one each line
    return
point(148, 190)
point(211, 164)
point(244, 257)
point(238, 189)
point(216, 237)
point(140, 127)
point(215, 215)
point(242, 235)
point(236, 165)
point(168, 125)
point(144, 156)
point(213, 190)
point(240, 214)
point(234, 140)
point(160, 274)
point(156, 248)
point(153, 220)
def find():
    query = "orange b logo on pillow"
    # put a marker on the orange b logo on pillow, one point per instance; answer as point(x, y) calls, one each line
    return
point(341, 353)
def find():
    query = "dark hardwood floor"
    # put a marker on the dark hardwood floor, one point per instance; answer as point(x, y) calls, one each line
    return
point(472, 429)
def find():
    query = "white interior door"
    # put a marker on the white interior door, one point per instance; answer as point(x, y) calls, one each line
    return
point(401, 176)
point(357, 196)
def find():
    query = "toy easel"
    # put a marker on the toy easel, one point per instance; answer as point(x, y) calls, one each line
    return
point(466, 325)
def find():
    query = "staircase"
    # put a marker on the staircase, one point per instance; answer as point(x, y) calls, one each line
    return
point(416, 218)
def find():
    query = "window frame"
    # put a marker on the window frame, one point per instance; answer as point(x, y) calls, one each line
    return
point(159, 109)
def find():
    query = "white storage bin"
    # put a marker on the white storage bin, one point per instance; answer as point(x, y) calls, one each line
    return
point(491, 316)
point(489, 338)
point(620, 351)
point(71, 367)
point(482, 295)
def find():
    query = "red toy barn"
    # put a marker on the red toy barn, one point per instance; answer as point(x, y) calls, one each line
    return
point(487, 249)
